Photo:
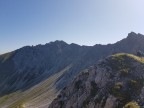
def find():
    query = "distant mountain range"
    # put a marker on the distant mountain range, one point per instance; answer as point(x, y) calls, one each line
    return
point(32, 76)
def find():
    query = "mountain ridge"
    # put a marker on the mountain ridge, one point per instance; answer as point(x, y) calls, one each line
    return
point(29, 66)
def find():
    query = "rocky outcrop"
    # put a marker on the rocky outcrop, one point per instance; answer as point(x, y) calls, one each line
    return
point(114, 82)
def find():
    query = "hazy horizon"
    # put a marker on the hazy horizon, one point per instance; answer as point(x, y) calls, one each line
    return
point(32, 22)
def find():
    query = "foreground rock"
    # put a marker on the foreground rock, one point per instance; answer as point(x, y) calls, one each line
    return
point(116, 82)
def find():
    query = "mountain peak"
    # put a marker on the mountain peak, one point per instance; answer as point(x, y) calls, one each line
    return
point(58, 42)
point(133, 35)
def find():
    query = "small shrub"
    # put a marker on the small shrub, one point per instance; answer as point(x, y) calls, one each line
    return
point(118, 86)
point(116, 90)
point(132, 105)
point(124, 72)
point(133, 83)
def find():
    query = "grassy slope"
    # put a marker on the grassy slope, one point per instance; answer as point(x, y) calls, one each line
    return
point(6, 56)
point(121, 55)
point(34, 96)
point(42, 93)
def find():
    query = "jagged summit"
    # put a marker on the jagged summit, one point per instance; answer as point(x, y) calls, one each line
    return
point(132, 34)
point(58, 42)
point(135, 36)
point(52, 43)
point(115, 82)
point(132, 38)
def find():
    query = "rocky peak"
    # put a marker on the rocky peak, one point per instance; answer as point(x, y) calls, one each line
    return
point(133, 43)
point(58, 43)
point(115, 82)
point(135, 37)
point(132, 34)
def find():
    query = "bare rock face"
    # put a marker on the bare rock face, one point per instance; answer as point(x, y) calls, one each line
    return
point(115, 82)
point(111, 102)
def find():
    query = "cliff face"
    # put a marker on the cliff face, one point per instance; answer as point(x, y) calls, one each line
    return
point(115, 82)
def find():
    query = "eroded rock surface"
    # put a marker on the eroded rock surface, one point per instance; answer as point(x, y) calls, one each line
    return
point(115, 82)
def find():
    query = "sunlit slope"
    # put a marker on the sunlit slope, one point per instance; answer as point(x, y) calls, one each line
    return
point(39, 95)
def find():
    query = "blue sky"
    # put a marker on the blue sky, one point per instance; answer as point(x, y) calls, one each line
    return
point(85, 22)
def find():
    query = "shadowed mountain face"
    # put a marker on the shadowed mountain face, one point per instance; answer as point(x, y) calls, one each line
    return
point(115, 82)
point(50, 67)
